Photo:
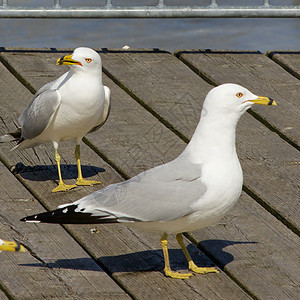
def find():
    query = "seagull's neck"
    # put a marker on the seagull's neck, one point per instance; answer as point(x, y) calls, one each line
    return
point(214, 138)
point(90, 75)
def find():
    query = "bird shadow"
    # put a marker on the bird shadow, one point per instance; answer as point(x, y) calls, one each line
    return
point(149, 260)
point(49, 172)
point(214, 248)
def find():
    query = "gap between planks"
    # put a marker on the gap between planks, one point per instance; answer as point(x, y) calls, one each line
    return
point(23, 182)
point(87, 142)
point(259, 118)
point(160, 119)
point(164, 122)
point(24, 82)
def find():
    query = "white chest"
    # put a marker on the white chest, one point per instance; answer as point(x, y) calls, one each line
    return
point(80, 110)
point(224, 185)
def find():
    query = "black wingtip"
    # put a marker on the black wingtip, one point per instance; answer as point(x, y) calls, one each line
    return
point(64, 215)
point(32, 218)
point(68, 215)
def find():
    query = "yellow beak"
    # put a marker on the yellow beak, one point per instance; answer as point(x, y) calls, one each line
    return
point(67, 60)
point(11, 246)
point(264, 101)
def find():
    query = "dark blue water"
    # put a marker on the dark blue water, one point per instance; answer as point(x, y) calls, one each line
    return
point(169, 34)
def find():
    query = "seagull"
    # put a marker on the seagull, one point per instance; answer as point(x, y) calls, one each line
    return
point(188, 193)
point(67, 108)
point(11, 246)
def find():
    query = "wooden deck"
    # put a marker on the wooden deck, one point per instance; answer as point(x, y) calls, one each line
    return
point(156, 103)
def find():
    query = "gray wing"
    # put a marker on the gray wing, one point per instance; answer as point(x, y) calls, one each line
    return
point(106, 109)
point(52, 85)
point(163, 193)
point(37, 116)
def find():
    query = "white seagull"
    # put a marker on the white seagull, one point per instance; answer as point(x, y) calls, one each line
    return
point(69, 107)
point(191, 192)
point(11, 246)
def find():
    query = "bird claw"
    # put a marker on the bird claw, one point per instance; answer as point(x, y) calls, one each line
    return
point(202, 270)
point(177, 275)
point(62, 187)
point(87, 182)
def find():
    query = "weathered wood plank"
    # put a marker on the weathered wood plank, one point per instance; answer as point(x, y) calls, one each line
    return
point(2, 295)
point(124, 241)
point(262, 157)
point(258, 251)
point(161, 84)
point(54, 265)
point(263, 154)
point(129, 250)
point(288, 59)
point(120, 133)
point(137, 261)
point(271, 170)
point(258, 73)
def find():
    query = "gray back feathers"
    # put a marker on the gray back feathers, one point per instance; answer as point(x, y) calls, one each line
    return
point(158, 194)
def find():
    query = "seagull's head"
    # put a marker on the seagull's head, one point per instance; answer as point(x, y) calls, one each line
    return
point(82, 59)
point(232, 98)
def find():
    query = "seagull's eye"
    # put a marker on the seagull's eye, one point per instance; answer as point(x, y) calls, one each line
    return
point(88, 60)
point(239, 95)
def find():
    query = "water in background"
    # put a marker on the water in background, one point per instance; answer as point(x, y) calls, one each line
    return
point(168, 34)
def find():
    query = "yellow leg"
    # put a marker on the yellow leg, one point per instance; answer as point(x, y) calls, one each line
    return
point(80, 180)
point(62, 187)
point(167, 270)
point(192, 265)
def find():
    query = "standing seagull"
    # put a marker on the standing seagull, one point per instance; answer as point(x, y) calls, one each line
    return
point(69, 107)
point(191, 192)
